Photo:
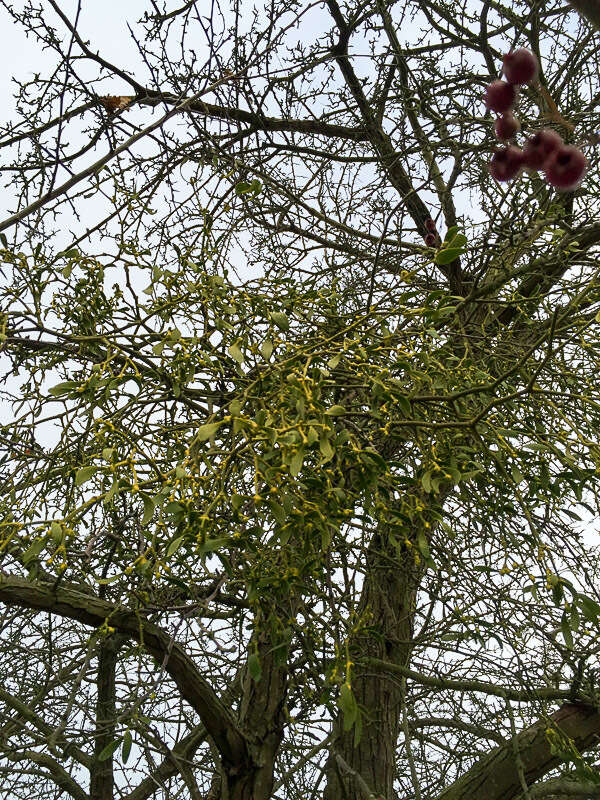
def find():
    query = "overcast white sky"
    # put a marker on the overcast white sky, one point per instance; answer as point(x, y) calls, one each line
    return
point(102, 22)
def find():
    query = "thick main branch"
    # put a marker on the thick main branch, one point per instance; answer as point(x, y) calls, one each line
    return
point(496, 777)
point(180, 667)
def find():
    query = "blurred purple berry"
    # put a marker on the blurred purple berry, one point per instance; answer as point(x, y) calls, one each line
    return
point(507, 126)
point(430, 240)
point(506, 163)
point(500, 96)
point(430, 225)
point(540, 147)
point(520, 66)
point(566, 168)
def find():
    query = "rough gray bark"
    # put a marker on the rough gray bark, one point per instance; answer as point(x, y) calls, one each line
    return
point(495, 776)
point(101, 771)
point(387, 602)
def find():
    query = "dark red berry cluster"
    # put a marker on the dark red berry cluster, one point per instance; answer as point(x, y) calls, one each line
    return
point(432, 238)
point(563, 165)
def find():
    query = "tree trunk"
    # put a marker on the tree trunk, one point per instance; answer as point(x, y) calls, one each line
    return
point(387, 607)
point(101, 772)
point(261, 716)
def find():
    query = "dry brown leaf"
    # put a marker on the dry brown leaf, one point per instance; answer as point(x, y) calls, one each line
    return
point(114, 103)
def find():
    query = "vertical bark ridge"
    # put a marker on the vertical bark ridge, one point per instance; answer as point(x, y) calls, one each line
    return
point(101, 772)
point(387, 604)
point(262, 714)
